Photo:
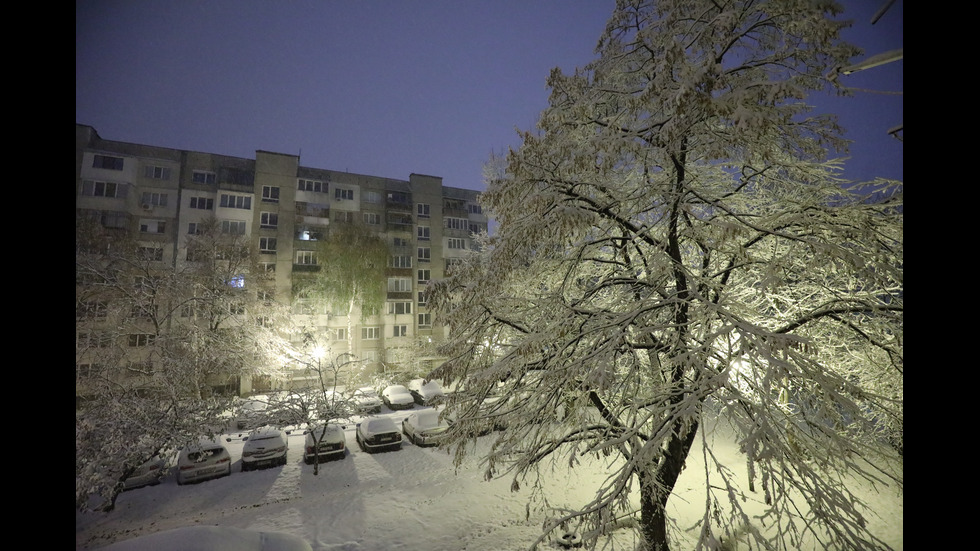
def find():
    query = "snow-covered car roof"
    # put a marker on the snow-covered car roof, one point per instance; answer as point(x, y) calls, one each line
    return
point(426, 419)
point(262, 433)
point(327, 433)
point(376, 425)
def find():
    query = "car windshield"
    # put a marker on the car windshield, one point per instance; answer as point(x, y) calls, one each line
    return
point(203, 455)
point(428, 419)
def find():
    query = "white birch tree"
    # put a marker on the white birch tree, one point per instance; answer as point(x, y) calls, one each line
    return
point(676, 248)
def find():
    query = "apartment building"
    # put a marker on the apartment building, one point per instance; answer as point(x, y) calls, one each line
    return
point(160, 194)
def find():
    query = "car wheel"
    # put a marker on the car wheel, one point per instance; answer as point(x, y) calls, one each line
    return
point(570, 540)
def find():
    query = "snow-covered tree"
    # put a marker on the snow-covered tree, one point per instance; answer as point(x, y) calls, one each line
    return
point(160, 346)
point(350, 274)
point(676, 252)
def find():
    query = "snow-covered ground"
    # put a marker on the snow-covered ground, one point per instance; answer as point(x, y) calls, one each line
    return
point(411, 499)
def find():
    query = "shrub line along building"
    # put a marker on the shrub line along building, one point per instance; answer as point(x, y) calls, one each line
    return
point(158, 194)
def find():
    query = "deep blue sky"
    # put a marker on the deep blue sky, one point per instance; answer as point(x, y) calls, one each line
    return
point(380, 87)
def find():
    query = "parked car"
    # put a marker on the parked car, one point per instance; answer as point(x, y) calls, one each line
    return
point(378, 433)
point(366, 400)
point(204, 460)
point(424, 428)
point(327, 441)
point(147, 474)
point(264, 447)
point(426, 393)
point(251, 413)
point(397, 397)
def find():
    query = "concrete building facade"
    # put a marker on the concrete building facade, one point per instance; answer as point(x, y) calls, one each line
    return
point(284, 208)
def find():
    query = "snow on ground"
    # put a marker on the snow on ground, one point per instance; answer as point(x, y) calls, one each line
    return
point(406, 500)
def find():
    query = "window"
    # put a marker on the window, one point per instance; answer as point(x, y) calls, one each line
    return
point(91, 309)
point(400, 242)
point(423, 233)
point(236, 201)
point(397, 308)
point(94, 188)
point(86, 339)
point(268, 267)
point(267, 244)
point(400, 197)
point(107, 162)
point(424, 254)
point(372, 218)
point(140, 339)
point(270, 194)
point(370, 333)
point(343, 216)
point(233, 227)
point(401, 262)
point(371, 197)
point(425, 320)
point(422, 300)
point(399, 285)
point(150, 253)
point(269, 220)
point(340, 334)
point(424, 276)
point(203, 177)
point(399, 330)
point(311, 185)
point(423, 210)
point(456, 243)
point(193, 228)
point(457, 223)
point(157, 172)
point(344, 194)
point(306, 258)
point(153, 199)
point(203, 203)
point(153, 226)
point(474, 209)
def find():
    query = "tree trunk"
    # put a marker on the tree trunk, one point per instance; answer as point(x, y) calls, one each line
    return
point(657, 486)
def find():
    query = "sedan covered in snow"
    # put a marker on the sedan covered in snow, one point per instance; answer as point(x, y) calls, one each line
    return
point(425, 392)
point(366, 400)
point(397, 397)
point(264, 447)
point(147, 474)
point(378, 433)
point(324, 442)
point(424, 428)
point(204, 460)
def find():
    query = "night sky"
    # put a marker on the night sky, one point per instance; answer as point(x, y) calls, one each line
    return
point(383, 87)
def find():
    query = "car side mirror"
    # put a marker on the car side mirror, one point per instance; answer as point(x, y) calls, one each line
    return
point(244, 438)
